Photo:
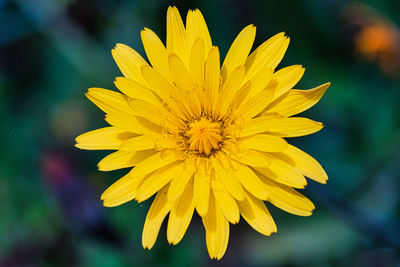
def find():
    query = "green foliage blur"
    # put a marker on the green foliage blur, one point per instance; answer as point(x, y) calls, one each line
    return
point(51, 51)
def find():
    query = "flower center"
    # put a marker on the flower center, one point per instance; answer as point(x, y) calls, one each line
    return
point(204, 136)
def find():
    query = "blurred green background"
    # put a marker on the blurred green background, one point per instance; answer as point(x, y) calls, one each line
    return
point(51, 51)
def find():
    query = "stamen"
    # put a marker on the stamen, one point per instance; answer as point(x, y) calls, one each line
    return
point(204, 136)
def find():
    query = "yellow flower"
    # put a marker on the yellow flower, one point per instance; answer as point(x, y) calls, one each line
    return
point(204, 137)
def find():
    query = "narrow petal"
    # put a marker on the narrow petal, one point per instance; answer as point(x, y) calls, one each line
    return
point(252, 158)
point(157, 180)
point(201, 192)
point(228, 179)
point(211, 78)
point(108, 101)
point(180, 182)
point(238, 51)
point(158, 83)
point(257, 215)
point(284, 79)
point(259, 125)
point(217, 231)
point(264, 142)
point(251, 182)
point(132, 123)
point(196, 27)
point(241, 95)
point(197, 61)
point(259, 81)
point(164, 89)
point(122, 159)
point(225, 201)
point(257, 104)
point(281, 172)
point(128, 61)
point(229, 89)
point(147, 111)
point(102, 139)
point(120, 199)
point(268, 54)
point(156, 52)
point(288, 199)
point(180, 73)
point(295, 126)
point(180, 216)
point(176, 34)
point(136, 90)
point(138, 143)
point(156, 215)
point(136, 175)
point(297, 101)
point(305, 164)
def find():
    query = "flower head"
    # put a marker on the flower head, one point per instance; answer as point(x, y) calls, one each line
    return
point(206, 138)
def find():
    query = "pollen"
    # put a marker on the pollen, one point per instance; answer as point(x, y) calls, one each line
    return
point(204, 136)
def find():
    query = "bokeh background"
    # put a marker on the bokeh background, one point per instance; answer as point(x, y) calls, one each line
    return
point(51, 51)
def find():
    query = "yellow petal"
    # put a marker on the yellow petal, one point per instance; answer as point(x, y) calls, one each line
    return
point(284, 79)
point(295, 126)
point(211, 78)
point(180, 216)
point(225, 201)
point(102, 139)
point(158, 83)
point(128, 61)
point(156, 215)
point(136, 90)
point(176, 34)
point(217, 231)
point(252, 158)
point(264, 142)
point(123, 159)
point(238, 51)
point(251, 182)
point(156, 52)
point(132, 123)
point(197, 61)
point(125, 189)
point(196, 27)
point(228, 179)
point(259, 125)
point(147, 111)
point(288, 199)
point(268, 54)
point(278, 56)
point(241, 95)
point(257, 215)
point(185, 85)
point(257, 104)
point(305, 164)
point(281, 172)
point(201, 191)
point(155, 181)
point(136, 175)
point(120, 199)
point(108, 101)
point(138, 143)
point(259, 81)
point(297, 101)
point(164, 89)
point(180, 73)
point(229, 89)
point(179, 182)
